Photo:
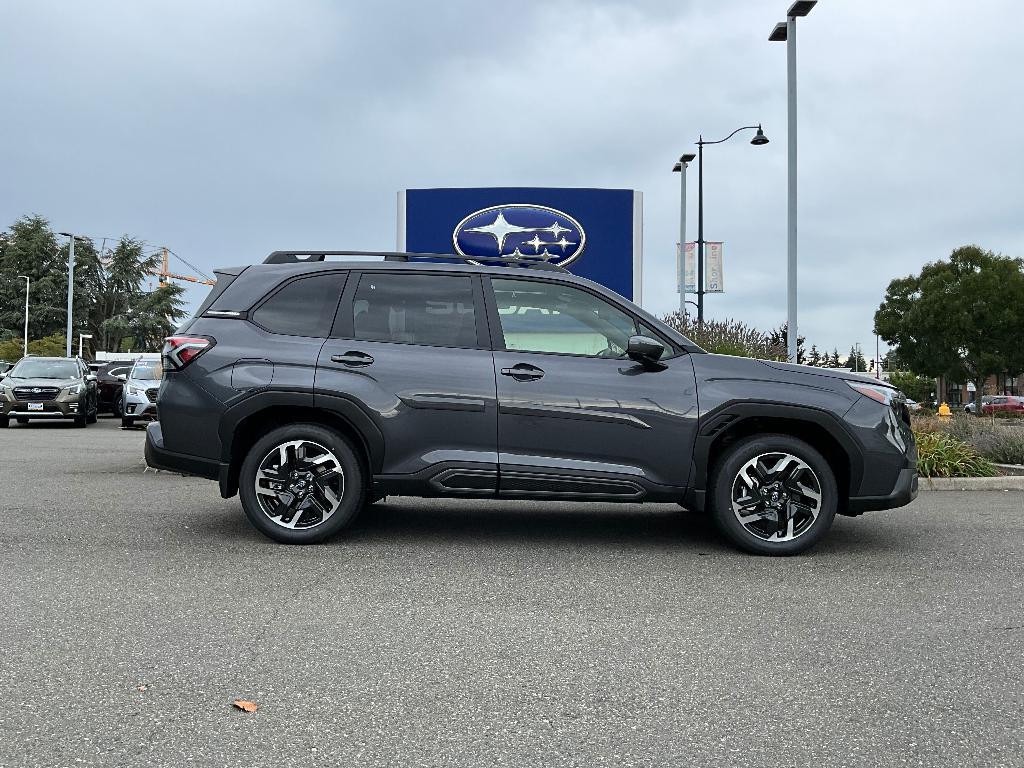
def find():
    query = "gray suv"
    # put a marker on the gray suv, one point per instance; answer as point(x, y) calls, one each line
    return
point(313, 387)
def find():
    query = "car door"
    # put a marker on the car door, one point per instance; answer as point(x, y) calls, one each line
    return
point(575, 416)
point(410, 348)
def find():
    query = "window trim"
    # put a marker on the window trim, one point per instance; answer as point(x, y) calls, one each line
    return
point(344, 321)
point(250, 315)
point(672, 350)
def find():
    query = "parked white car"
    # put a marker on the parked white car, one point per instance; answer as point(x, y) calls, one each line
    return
point(140, 391)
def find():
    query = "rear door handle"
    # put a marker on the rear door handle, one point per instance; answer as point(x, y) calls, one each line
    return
point(353, 359)
point(523, 372)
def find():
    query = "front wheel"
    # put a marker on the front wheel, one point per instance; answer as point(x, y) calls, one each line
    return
point(301, 484)
point(127, 423)
point(118, 407)
point(773, 495)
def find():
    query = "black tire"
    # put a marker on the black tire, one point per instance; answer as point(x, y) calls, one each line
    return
point(726, 475)
point(82, 421)
point(21, 419)
point(117, 407)
point(351, 476)
point(5, 421)
point(127, 423)
point(93, 416)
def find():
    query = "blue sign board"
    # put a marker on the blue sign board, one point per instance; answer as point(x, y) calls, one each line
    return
point(594, 233)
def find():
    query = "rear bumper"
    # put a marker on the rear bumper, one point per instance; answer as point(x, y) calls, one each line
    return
point(904, 492)
point(160, 458)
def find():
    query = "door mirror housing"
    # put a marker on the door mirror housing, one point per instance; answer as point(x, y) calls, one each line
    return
point(646, 351)
point(91, 377)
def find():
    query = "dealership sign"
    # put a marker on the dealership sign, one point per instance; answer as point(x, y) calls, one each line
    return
point(594, 233)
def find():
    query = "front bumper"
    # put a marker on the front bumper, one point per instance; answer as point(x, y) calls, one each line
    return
point(70, 408)
point(138, 407)
point(904, 492)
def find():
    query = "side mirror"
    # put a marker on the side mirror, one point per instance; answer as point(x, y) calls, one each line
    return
point(646, 351)
point(91, 377)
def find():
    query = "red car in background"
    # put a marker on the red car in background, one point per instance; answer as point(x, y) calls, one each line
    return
point(1003, 404)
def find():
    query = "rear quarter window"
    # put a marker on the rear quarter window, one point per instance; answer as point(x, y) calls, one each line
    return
point(302, 307)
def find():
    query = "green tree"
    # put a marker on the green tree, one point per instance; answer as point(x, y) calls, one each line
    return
point(814, 356)
point(962, 318)
point(915, 387)
point(855, 360)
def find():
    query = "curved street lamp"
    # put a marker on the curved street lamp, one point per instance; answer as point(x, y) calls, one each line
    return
point(759, 140)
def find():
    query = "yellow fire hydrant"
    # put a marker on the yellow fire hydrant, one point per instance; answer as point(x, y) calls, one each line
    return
point(944, 412)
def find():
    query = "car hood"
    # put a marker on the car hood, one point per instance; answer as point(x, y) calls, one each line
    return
point(144, 383)
point(829, 372)
point(773, 370)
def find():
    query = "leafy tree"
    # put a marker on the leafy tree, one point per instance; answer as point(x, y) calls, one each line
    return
point(780, 336)
point(855, 360)
point(962, 318)
point(915, 387)
point(727, 337)
point(109, 300)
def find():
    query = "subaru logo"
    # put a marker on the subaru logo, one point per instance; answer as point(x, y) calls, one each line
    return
point(36, 390)
point(521, 231)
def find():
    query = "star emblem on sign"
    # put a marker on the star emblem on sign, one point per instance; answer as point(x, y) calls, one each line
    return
point(520, 230)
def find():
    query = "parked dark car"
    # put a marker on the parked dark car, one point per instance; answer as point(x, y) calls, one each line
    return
point(313, 387)
point(1005, 404)
point(48, 388)
point(110, 378)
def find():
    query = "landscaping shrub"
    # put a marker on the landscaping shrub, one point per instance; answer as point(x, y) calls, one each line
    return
point(942, 455)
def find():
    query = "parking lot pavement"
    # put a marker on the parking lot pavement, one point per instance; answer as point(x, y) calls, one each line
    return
point(136, 606)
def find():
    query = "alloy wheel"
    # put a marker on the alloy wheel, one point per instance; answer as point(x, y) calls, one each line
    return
point(299, 484)
point(776, 496)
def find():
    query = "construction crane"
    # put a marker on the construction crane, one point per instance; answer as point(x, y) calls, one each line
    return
point(165, 274)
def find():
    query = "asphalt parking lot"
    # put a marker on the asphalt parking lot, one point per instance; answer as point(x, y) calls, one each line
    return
point(138, 605)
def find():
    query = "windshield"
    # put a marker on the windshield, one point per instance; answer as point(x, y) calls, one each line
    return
point(147, 370)
point(45, 369)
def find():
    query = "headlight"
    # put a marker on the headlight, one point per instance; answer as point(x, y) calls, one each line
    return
point(136, 391)
point(74, 389)
point(878, 393)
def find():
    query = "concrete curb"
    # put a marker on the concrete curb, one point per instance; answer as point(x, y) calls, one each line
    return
point(1005, 483)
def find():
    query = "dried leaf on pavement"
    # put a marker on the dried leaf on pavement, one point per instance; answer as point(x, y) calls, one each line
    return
point(245, 706)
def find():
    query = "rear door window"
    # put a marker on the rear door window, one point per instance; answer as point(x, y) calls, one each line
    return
point(435, 310)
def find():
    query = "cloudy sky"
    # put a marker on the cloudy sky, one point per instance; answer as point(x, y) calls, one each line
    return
point(226, 130)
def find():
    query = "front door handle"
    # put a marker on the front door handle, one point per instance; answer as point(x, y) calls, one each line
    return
point(523, 372)
point(353, 359)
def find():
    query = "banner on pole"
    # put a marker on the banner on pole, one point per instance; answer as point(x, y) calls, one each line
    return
point(690, 267)
point(713, 278)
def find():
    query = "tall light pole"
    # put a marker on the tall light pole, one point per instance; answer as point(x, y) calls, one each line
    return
point(759, 140)
point(680, 168)
point(787, 31)
point(71, 286)
point(28, 282)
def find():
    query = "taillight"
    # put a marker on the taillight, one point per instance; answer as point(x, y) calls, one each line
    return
point(179, 351)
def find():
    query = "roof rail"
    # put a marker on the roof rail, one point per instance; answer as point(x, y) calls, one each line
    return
point(300, 257)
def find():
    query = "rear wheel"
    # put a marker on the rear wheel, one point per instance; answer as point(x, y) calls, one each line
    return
point(301, 484)
point(773, 495)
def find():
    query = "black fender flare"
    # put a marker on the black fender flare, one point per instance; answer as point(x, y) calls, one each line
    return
point(735, 412)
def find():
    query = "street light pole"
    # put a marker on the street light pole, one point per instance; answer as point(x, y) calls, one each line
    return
point(759, 140)
point(680, 168)
point(787, 31)
point(28, 282)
